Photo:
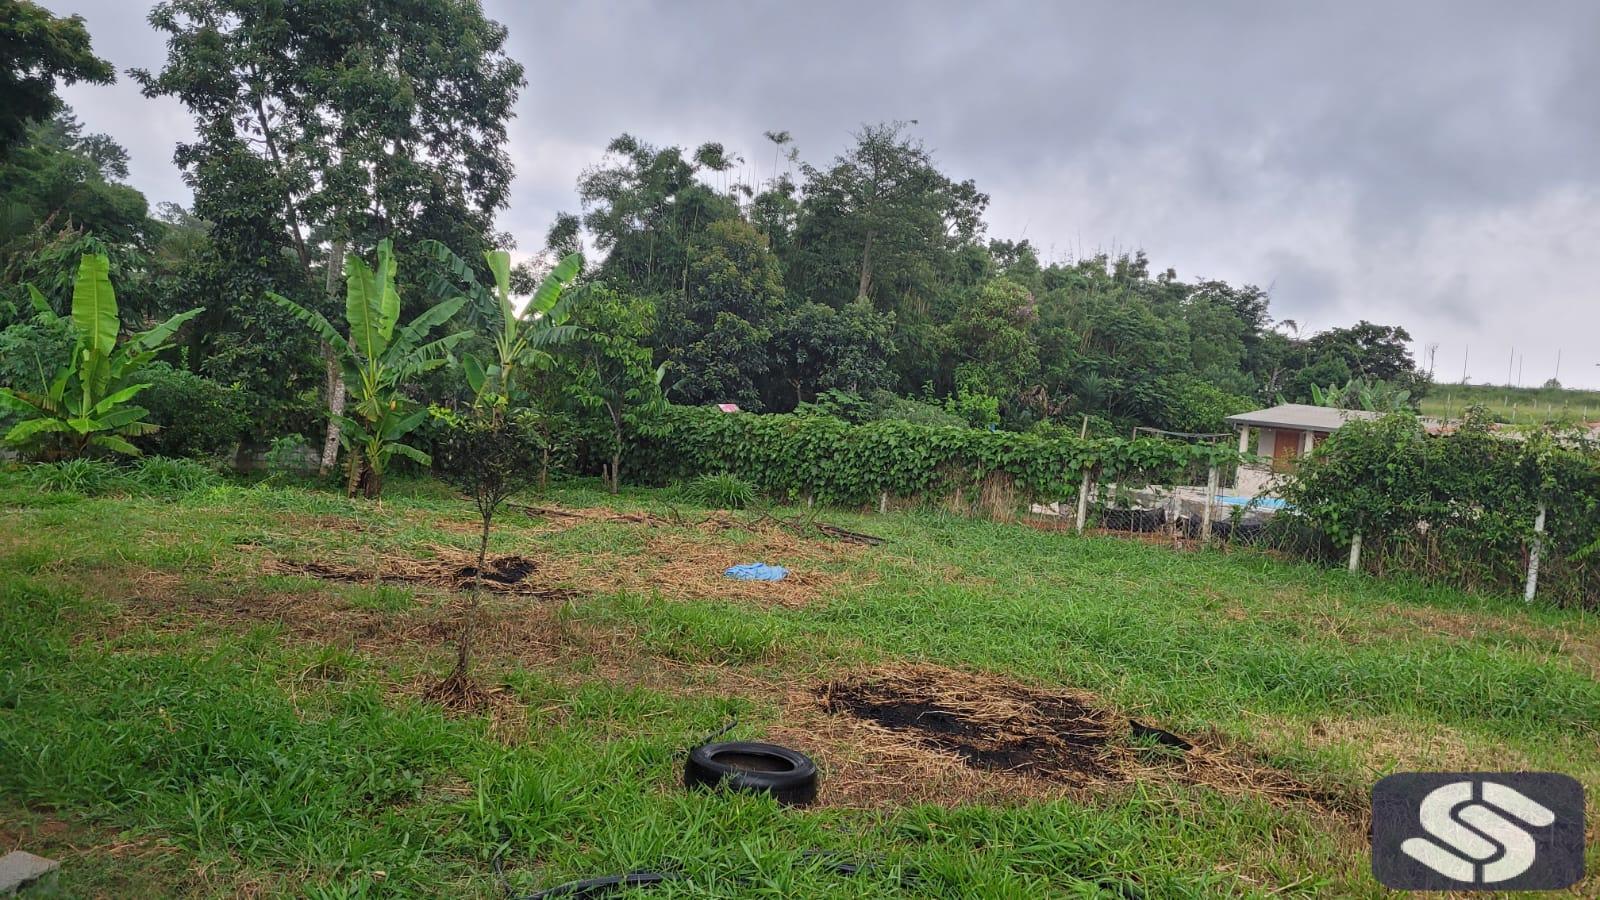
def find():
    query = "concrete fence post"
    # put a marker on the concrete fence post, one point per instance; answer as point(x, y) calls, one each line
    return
point(1211, 500)
point(1532, 586)
point(1355, 553)
point(1083, 501)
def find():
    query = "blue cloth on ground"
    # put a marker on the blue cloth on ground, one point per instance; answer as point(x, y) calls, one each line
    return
point(756, 572)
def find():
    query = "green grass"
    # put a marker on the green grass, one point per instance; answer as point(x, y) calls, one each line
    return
point(171, 751)
point(1520, 406)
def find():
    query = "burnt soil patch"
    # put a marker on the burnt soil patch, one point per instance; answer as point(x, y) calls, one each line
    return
point(996, 726)
point(1043, 737)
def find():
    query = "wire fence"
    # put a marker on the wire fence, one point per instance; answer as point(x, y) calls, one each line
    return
point(1478, 508)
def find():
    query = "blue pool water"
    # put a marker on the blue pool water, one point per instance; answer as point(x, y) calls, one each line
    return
point(1259, 503)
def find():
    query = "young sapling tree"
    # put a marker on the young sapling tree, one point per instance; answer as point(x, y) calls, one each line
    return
point(489, 454)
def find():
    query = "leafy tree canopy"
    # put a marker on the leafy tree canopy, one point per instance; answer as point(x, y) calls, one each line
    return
point(36, 51)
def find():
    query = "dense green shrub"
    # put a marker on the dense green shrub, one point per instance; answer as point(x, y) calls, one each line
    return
point(836, 462)
point(29, 354)
point(1196, 406)
point(30, 351)
point(90, 477)
point(198, 417)
point(1459, 507)
point(170, 475)
point(722, 491)
point(289, 454)
point(878, 406)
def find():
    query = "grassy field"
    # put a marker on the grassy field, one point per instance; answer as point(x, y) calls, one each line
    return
point(193, 702)
point(1522, 406)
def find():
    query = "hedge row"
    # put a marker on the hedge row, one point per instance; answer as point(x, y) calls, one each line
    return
point(836, 462)
point(1460, 507)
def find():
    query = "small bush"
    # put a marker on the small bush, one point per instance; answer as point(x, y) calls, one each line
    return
point(160, 474)
point(1189, 404)
point(198, 417)
point(722, 491)
point(90, 477)
point(878, 407)
point(289, 454)
point(29, 354)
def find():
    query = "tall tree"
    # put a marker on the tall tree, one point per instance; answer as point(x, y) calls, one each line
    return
point(645, 205)
point(61, 173)
point(819, 348)
point(325, 125)
point(995, 340)
point(61, 197)
point(719, 326)
point(37, 50)
point(881, 222)
point(1369, 350)
point(610, 370)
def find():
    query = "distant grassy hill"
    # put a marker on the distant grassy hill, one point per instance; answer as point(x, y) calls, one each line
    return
point(1518, 405)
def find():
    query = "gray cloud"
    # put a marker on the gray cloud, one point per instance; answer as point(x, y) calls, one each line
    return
point(1430, 164)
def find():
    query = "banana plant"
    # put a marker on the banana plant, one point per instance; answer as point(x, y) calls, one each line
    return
point(1363, 395)
point(520, 338)
point(378, 359)
point(88, 404)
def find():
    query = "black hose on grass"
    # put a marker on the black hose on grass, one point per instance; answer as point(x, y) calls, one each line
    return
point(733, 722)
point(600, 887)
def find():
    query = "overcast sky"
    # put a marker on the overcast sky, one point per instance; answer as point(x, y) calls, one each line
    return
point(1429, 164)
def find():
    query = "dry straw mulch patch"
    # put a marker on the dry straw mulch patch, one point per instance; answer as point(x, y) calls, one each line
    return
point(681, 559)
point(446, 567)
point(689, 566)
point(684, 558)
point(922, 733)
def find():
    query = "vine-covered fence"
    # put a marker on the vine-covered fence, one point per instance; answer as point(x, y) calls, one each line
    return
point(826, 460)
point(1476, 508)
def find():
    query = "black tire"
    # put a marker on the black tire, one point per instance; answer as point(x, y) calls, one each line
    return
point(789, 776)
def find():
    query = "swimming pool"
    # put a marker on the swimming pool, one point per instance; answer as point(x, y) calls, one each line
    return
point(1257, 502)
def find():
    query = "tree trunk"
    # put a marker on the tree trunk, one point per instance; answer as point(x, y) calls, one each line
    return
point(333, 379)
point(333, 390)
point(291, 213)
point(371, 483)
point(866, 268)
point(464, 641)
point(616, 450)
